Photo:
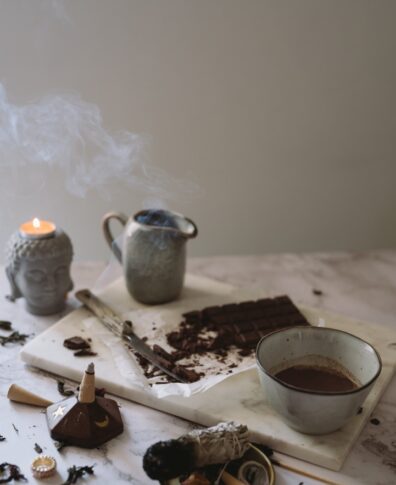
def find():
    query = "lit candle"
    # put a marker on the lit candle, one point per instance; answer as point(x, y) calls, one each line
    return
point(37, 229)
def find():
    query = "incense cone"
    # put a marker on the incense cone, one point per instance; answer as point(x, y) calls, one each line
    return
point(21, 395)
point(87, 387)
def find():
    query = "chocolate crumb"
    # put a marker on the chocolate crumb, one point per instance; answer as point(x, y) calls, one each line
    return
point(37, 448)
point(76, 343)
point(375, 421)
point(317, 292)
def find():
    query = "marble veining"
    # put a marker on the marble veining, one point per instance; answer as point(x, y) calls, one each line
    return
point(360, 285)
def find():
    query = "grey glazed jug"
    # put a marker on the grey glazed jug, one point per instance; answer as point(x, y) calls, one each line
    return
point(153, 254)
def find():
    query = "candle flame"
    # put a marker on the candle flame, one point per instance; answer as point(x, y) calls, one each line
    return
point(36, 223)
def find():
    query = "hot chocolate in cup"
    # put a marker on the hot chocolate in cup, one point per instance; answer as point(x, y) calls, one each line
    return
point(316, 378)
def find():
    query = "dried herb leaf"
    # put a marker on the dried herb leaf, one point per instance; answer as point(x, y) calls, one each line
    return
point(37, 448)
point(77, 472)
point(5, 325)
point(63, 391)
point(15, 337)
point(14, 473)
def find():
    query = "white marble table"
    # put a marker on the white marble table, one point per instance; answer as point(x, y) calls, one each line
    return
point(361, 285)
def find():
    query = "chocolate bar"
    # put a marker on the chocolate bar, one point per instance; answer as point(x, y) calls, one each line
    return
point(239, 325)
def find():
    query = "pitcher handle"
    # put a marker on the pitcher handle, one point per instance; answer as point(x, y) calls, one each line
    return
point(122, 218)
point(195, 231)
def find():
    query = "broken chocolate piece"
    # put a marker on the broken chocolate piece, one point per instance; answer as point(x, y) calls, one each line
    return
point(76, 343)
point(84, 353)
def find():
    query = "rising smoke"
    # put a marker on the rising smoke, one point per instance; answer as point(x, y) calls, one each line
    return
point(64, 132)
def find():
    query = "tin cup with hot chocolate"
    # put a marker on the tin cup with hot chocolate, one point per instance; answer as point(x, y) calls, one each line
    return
point(316, 378)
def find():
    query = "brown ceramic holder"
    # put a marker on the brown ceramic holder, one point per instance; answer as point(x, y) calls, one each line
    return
point(87, 420)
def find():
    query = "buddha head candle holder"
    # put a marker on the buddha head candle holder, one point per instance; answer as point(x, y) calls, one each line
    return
point(38, 266)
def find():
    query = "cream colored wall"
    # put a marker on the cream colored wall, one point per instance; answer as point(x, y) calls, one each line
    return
point(283, 112)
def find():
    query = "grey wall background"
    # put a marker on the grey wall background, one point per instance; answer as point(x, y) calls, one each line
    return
point(282, 112)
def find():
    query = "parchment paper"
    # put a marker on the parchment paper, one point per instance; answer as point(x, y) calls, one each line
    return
point(155, 322)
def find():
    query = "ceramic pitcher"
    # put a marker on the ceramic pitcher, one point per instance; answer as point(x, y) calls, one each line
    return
point(153, 252)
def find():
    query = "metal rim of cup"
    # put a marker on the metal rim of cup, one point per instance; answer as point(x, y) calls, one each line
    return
point(306, 391)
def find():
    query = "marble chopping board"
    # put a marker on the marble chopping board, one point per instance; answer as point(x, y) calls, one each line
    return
point(239, 397)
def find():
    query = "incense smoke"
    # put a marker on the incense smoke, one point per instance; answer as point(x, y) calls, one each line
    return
point(65, 132)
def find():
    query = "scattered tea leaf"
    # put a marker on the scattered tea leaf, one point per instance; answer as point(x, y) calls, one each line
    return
point(2, 438)
point(15, 337)
point(14, 473)
point(16, 429)
point(317, 292)
point(37, 448)
point(77, 472)
point(5, 325)
point(63, 391)
point(375, 421)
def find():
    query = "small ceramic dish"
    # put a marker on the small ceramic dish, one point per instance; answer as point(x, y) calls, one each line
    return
point(310, 411)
